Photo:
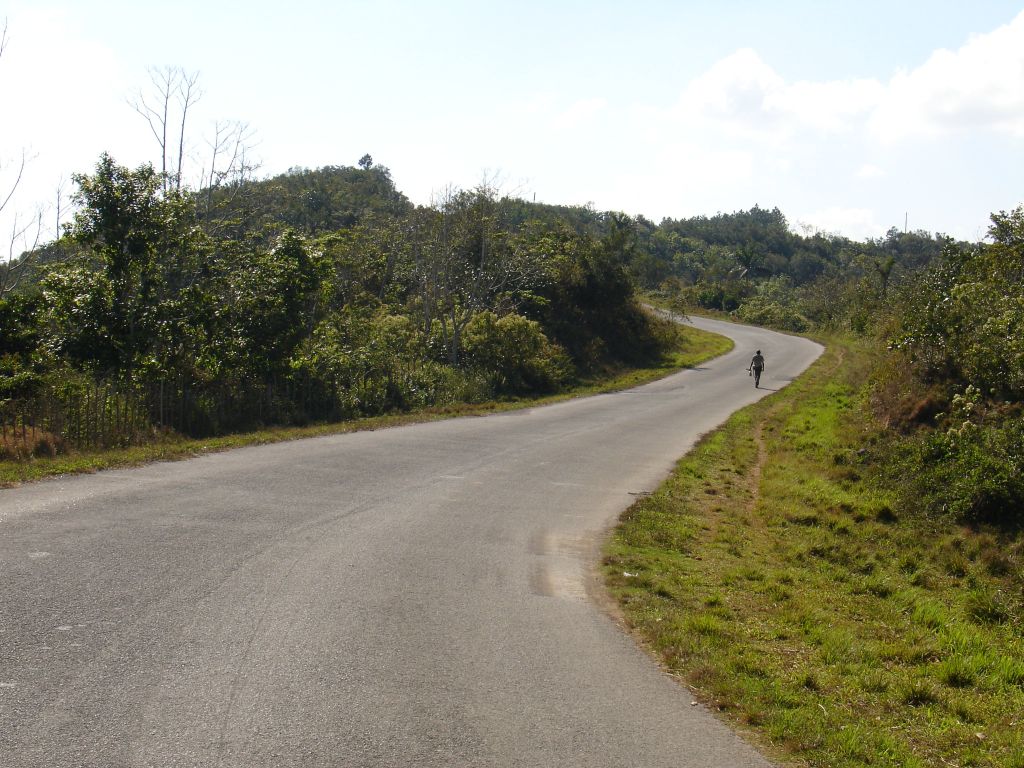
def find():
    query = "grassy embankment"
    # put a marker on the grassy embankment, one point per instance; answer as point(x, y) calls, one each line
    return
point(692, 348)
point(773, 575)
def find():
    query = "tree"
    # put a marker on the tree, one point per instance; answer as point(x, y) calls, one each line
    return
point(126, 222)
point(22, 237)
point(78, 307)
point(269, 304)
point(230, 166)
point(22, 240)
point(165, 110)
point(963, 320)
point(464, 263)
point(370, 261)
point(884, 269)
point(20, 361)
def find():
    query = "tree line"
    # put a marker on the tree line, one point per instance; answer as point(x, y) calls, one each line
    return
point(945, 317)
point(952, 380)
point(314, 295)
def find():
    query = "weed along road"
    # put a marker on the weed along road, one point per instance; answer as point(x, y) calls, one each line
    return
point(416, 596)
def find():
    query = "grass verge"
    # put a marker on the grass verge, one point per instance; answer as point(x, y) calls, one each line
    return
point(772, 574)
point(693, 347)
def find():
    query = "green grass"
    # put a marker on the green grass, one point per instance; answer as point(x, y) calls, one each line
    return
point(773, 575)
point(693, 347)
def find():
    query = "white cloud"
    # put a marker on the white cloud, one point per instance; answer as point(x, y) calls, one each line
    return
point(745, 96)
point(696, 165)
point(979, 86)
point(869, 171)
point(735, 90)
point(836, 106)
point(578, 114)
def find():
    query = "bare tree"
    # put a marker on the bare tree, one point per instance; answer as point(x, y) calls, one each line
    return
point(5, 196)
point(230, 162)
point(62, 201)
point(217, 171)
point(22, 242)
point(25, 231)
point(166, 109)
point(229, 147)
point(12, 187)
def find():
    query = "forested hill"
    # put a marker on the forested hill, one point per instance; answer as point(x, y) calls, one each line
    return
point(754, 264)
point(719, 262)
point(312, 295)
point(310, 201)
point(332, 283)
point(742, 248)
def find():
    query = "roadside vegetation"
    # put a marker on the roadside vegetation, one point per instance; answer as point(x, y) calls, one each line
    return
point(840, 569)
point(689, 347)
point(783, 575)
point(152, 314)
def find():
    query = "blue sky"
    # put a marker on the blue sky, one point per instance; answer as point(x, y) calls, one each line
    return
point(847, 116)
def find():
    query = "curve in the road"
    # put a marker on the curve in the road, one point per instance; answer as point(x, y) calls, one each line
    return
point(407, 597)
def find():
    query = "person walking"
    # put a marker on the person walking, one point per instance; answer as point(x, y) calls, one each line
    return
point(756, 367)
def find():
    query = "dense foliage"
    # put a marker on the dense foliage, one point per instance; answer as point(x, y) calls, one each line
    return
point(951, 383)
point(956, 366)
point(316, 295)
point(724, 262)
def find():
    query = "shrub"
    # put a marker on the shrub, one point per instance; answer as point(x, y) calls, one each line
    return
point(514, 352)
point(774, 305)
point(974, 474)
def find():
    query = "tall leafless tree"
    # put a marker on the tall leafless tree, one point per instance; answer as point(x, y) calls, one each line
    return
point(230, 162)
point(22, 241)
point(165, 108)
point(62, 201)
point(22, 238)
point(227, 159)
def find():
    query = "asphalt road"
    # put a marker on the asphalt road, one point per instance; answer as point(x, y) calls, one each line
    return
point(416, 596)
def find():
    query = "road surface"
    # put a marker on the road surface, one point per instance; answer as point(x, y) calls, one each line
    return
point(416, 596)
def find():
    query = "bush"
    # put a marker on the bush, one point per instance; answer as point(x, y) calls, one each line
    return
point(514, 352)
point(774, 305)
point(438, 384)
point(974, 473)
point(957, 347)
point(724, 296)
point(772, 315)
point(964, 319)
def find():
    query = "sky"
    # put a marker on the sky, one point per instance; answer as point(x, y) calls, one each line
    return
point(850, 117)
